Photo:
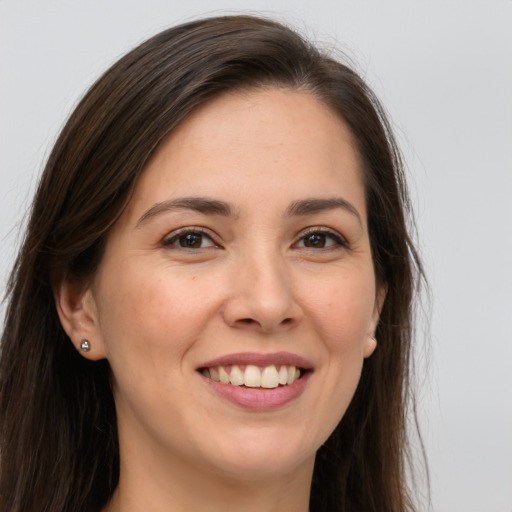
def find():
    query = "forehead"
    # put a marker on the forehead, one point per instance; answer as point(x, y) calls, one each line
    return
point(255, 142)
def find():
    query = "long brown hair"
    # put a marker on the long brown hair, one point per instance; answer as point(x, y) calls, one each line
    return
point(58, 434)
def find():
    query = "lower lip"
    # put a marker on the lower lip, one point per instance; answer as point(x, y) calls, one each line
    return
point(259, 399)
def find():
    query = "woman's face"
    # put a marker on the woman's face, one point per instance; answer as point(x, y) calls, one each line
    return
point(243, 255)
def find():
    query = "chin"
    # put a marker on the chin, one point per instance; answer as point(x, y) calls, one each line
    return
point(262, 454)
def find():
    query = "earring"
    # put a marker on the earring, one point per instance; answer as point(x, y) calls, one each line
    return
point(85, 346)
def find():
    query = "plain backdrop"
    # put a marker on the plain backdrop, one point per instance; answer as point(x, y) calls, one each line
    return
point(443, 69)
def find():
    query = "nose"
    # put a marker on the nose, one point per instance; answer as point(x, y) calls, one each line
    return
point(262, 296)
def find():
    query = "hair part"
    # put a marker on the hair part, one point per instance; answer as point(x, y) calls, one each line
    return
point(58, 433)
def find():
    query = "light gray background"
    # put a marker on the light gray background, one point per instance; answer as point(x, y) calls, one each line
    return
point(444, 71)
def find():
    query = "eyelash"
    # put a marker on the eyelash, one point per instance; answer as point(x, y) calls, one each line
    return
point(200, 232)
point(339, 241)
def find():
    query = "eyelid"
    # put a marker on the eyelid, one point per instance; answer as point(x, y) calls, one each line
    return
point(341, 241)
point(171, 237)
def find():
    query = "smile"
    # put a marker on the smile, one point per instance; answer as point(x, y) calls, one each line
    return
point(257, 381)
point(253, 376)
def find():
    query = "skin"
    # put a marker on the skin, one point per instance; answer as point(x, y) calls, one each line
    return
point(255, 283)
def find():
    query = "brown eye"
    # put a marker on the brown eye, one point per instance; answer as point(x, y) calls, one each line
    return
point(321, 240)
point(190, 240)
point(315, 240)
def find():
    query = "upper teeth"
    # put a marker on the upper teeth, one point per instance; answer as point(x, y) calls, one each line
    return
point(253, 376)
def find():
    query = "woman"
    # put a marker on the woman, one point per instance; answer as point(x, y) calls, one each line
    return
point(212, 306)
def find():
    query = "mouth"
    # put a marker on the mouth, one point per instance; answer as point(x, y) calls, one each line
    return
point(254, 376)
point(256, 370)
point(257, 381)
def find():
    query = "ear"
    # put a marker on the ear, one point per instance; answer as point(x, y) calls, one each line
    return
point(78, 316)
point(371, 341)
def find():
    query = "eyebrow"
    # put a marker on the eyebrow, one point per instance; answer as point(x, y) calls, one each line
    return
point(314, 205)
point(199, 204)
point(210, 206)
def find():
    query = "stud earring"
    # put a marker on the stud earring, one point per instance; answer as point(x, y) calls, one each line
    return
point(85, 346)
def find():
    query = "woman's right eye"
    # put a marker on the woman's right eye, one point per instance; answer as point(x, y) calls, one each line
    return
point(190, 239)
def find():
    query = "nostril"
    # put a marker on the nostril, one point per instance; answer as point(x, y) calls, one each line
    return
point(252, 321)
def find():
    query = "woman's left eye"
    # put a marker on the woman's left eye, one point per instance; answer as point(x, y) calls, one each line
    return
point(190, 240)
point(320, 240)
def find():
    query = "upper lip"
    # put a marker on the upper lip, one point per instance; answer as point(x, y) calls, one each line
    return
point(259, 359)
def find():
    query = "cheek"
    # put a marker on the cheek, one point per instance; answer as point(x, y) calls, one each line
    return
point(148, 323)
point(343, 313)
point(342, 319)
point(150, 312)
